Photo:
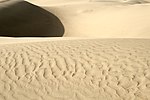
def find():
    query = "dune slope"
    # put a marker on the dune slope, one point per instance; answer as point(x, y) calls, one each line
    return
point(103, 19)
point(20, 18)
point(107, 69)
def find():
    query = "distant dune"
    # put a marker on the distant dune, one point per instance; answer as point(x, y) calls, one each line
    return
point(20, 18)
point(124, 1)
point(104, 19)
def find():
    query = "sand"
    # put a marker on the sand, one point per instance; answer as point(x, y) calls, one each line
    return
point(104, 53)
point(20, 18)
point(75, 18)
point(104, 20)
point(94, 69)
point(101, 18)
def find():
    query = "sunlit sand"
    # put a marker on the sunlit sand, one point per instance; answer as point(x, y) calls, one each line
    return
point(74, 50)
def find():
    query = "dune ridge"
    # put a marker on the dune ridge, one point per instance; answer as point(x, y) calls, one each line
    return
point(75, 19)
point(81, 65)
point(104, 19)
point(97, 69)
point(23, 19)
point(2, 1)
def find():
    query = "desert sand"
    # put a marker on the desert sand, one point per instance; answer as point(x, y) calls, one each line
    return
point(85, 50)
point(105, 21)
point(75, 18)
point(101, 19)
point(94, 69)
point(20, 18)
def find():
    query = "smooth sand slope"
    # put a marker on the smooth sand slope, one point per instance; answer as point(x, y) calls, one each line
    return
point(55, 2)
point(20, 18)
point(104, 19)
point(85, 18)
point(58, 2)
point(96, 69)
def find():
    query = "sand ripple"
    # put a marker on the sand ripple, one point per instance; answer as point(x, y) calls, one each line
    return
point(76, 70)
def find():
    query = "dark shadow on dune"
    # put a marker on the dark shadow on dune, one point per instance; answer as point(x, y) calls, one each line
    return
point(4, 1)
point(22, 19)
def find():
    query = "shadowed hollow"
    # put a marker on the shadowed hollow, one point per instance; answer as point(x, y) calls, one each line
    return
point(22, 19)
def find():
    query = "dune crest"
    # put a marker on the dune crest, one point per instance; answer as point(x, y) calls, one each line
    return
point(104, 19)
point(125, 1)
point(22, 19)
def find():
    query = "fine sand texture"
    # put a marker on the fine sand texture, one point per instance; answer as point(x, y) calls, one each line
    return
point(94, 69)
point(19, 18)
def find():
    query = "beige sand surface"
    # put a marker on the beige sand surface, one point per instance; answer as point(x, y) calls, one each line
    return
point(58, 2)
point(95, 69)
point(76, 18)
point(82, 65)
point(104, 19)
point(12, 40)
point(101, 18)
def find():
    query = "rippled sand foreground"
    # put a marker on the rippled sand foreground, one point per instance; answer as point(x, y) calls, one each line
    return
point(96, 69)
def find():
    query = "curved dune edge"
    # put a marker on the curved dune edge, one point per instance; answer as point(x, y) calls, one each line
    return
point(103, 19)
point(22, 19)
point(11, 40)
point(98, 69)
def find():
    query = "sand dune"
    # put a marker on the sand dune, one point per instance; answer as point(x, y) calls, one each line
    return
point(124, 1)
point(51, 2)
point(55, 2)
point(81, 65)
point(20, 18)
point(75, 19)
point(98, 69)
point(104, 19)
